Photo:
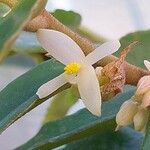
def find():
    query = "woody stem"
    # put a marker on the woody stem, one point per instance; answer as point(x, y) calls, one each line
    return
point(46, 20)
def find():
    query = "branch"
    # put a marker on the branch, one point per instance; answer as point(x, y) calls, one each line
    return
point(46, 20)
point(10, 3)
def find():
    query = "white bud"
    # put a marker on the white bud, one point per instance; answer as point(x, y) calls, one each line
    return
point(146, 99)
point(143, 85)
point(140, 119)
point(126, 113)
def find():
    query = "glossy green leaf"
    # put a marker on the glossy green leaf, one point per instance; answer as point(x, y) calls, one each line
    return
point(20, 95)
point(78, 125)
point(124, 139)
point(68, 18)
point(13, 23)
point(141, 51)
point(60, 104)
point(27, 43)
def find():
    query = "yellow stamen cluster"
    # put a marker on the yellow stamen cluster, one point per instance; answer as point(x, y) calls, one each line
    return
point(72, 68)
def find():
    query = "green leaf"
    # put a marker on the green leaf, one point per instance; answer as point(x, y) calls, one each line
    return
point(78, 125)
point(124, 139)
point(141, 51)
point(14, 22)
point(61, 104)
point(20, 95)
point(27, 43)
point(146, 142)
point(68, 18)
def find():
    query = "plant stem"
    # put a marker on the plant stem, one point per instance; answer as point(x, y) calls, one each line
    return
point(10, 3)
point(46, 20)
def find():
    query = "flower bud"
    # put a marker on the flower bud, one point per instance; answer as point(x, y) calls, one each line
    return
point(143, 85)
point(140, 119)
point(146, 99)
point(126, 113)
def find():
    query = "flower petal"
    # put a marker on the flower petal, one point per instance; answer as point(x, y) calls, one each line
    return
point(89, 90)
point(146, 99)
point(51, 86)
point(143, 85)
point(102, 51)
point(60, 46)
point(126, 113)
point(140, 119)
point(147, 64)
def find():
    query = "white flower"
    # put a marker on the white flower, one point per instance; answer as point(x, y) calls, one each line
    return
point(78, 68)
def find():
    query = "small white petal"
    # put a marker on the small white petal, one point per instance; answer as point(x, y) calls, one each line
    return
point(147, 64)
point(102, 51)
point(60, 46)
point(51, 86)
point(89, 90)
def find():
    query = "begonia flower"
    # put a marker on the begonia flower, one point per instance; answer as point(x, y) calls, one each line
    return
point(78, 67)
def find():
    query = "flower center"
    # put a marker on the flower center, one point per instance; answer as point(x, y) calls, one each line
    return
point(72, 68)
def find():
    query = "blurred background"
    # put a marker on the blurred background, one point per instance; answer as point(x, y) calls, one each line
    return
point(110, 19)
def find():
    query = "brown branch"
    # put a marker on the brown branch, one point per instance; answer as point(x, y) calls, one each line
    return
point(46, 20)
point(10, 3)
